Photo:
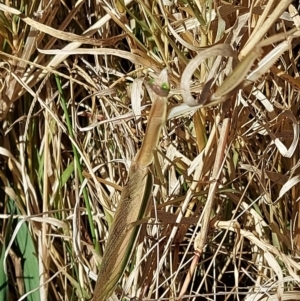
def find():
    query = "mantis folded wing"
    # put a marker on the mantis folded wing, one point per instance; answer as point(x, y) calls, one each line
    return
point(134, 197)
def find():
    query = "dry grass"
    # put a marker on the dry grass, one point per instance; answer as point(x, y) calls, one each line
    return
point(73, 120)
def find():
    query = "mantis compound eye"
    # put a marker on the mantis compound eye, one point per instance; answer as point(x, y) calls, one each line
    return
point(165, 87)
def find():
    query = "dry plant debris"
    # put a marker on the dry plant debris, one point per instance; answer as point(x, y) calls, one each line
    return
point(223, 222)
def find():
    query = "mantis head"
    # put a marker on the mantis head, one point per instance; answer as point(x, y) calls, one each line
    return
point(160, 85)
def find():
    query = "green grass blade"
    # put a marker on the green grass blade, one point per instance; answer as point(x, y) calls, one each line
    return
point(27, 251)
point(3, 276)
point(76, 155)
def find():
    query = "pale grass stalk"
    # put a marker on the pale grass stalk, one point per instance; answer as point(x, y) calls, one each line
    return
point(44, 239)
point(217, 170)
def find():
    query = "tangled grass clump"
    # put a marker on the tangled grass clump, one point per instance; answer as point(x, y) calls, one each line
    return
point(73, 113)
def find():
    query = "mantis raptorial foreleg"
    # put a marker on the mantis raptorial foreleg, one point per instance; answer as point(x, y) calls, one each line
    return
point(240, 77)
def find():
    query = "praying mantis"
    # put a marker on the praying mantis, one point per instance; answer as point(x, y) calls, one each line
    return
point(134, 197)
point(136, 193)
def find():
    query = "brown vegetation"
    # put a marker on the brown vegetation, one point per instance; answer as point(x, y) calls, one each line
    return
point(74, 112)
